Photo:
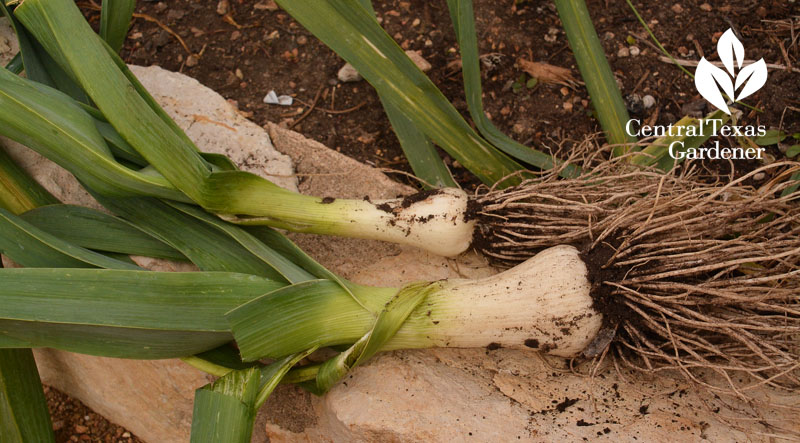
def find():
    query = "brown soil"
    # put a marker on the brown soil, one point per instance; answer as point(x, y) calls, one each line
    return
point(255, 47)
point(74, 422)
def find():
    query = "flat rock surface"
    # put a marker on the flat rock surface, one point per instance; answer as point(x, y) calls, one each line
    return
point(420, 395)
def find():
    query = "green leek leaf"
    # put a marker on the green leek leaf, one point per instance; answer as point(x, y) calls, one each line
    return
point(596, 73)
point(225, 411)
point(115, 18)
point(95, 230)
point(351, 31)
point(121, 313)
point(24, 416)
point(462, 15)
point(33, 247)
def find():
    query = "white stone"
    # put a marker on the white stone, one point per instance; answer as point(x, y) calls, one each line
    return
point(348, 74)
point(272, 98)
point(648, 101)
point(623, 52)
point(418, 60)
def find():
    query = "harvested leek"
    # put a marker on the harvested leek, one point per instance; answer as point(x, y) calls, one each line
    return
point(668, 268)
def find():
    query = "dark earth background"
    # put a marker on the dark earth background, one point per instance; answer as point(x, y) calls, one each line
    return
point(245, 48)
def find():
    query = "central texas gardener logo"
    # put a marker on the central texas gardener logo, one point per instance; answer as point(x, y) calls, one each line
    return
point(712, 82)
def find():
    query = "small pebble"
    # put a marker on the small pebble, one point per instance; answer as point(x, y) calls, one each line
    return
point(648, 101)
point(348, 74)
point(677, 8)
point(567, 106)
point(634, 50)
point(239, 74)
point(274, 99)
point(415, 23)
point(418, 60)
point(191, 61)
point(759, 176)
point(302, 40)
point(623, 52)
point(269, 5)
point(222, 7)
point(80, 429)
point(705, 7)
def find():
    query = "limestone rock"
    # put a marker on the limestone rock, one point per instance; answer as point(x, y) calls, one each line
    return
point(8, 42)
point(348, 74)
point(215, 126)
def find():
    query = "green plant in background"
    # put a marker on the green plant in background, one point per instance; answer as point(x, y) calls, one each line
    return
point(596, 73)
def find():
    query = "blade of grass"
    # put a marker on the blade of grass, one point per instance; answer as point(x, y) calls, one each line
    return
point(115, 18)
point(596, 73)
point(462, 16)
point(24, 416)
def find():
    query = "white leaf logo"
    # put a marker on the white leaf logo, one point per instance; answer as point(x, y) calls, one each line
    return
point(712, 82)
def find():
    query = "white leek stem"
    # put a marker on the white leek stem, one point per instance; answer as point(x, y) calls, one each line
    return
point(436, 223)
point(542, 303)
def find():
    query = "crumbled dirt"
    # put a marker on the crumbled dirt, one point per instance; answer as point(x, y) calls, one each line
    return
point(256, 47)
point(603, 300)
point(417, 197)
point(74, 422)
